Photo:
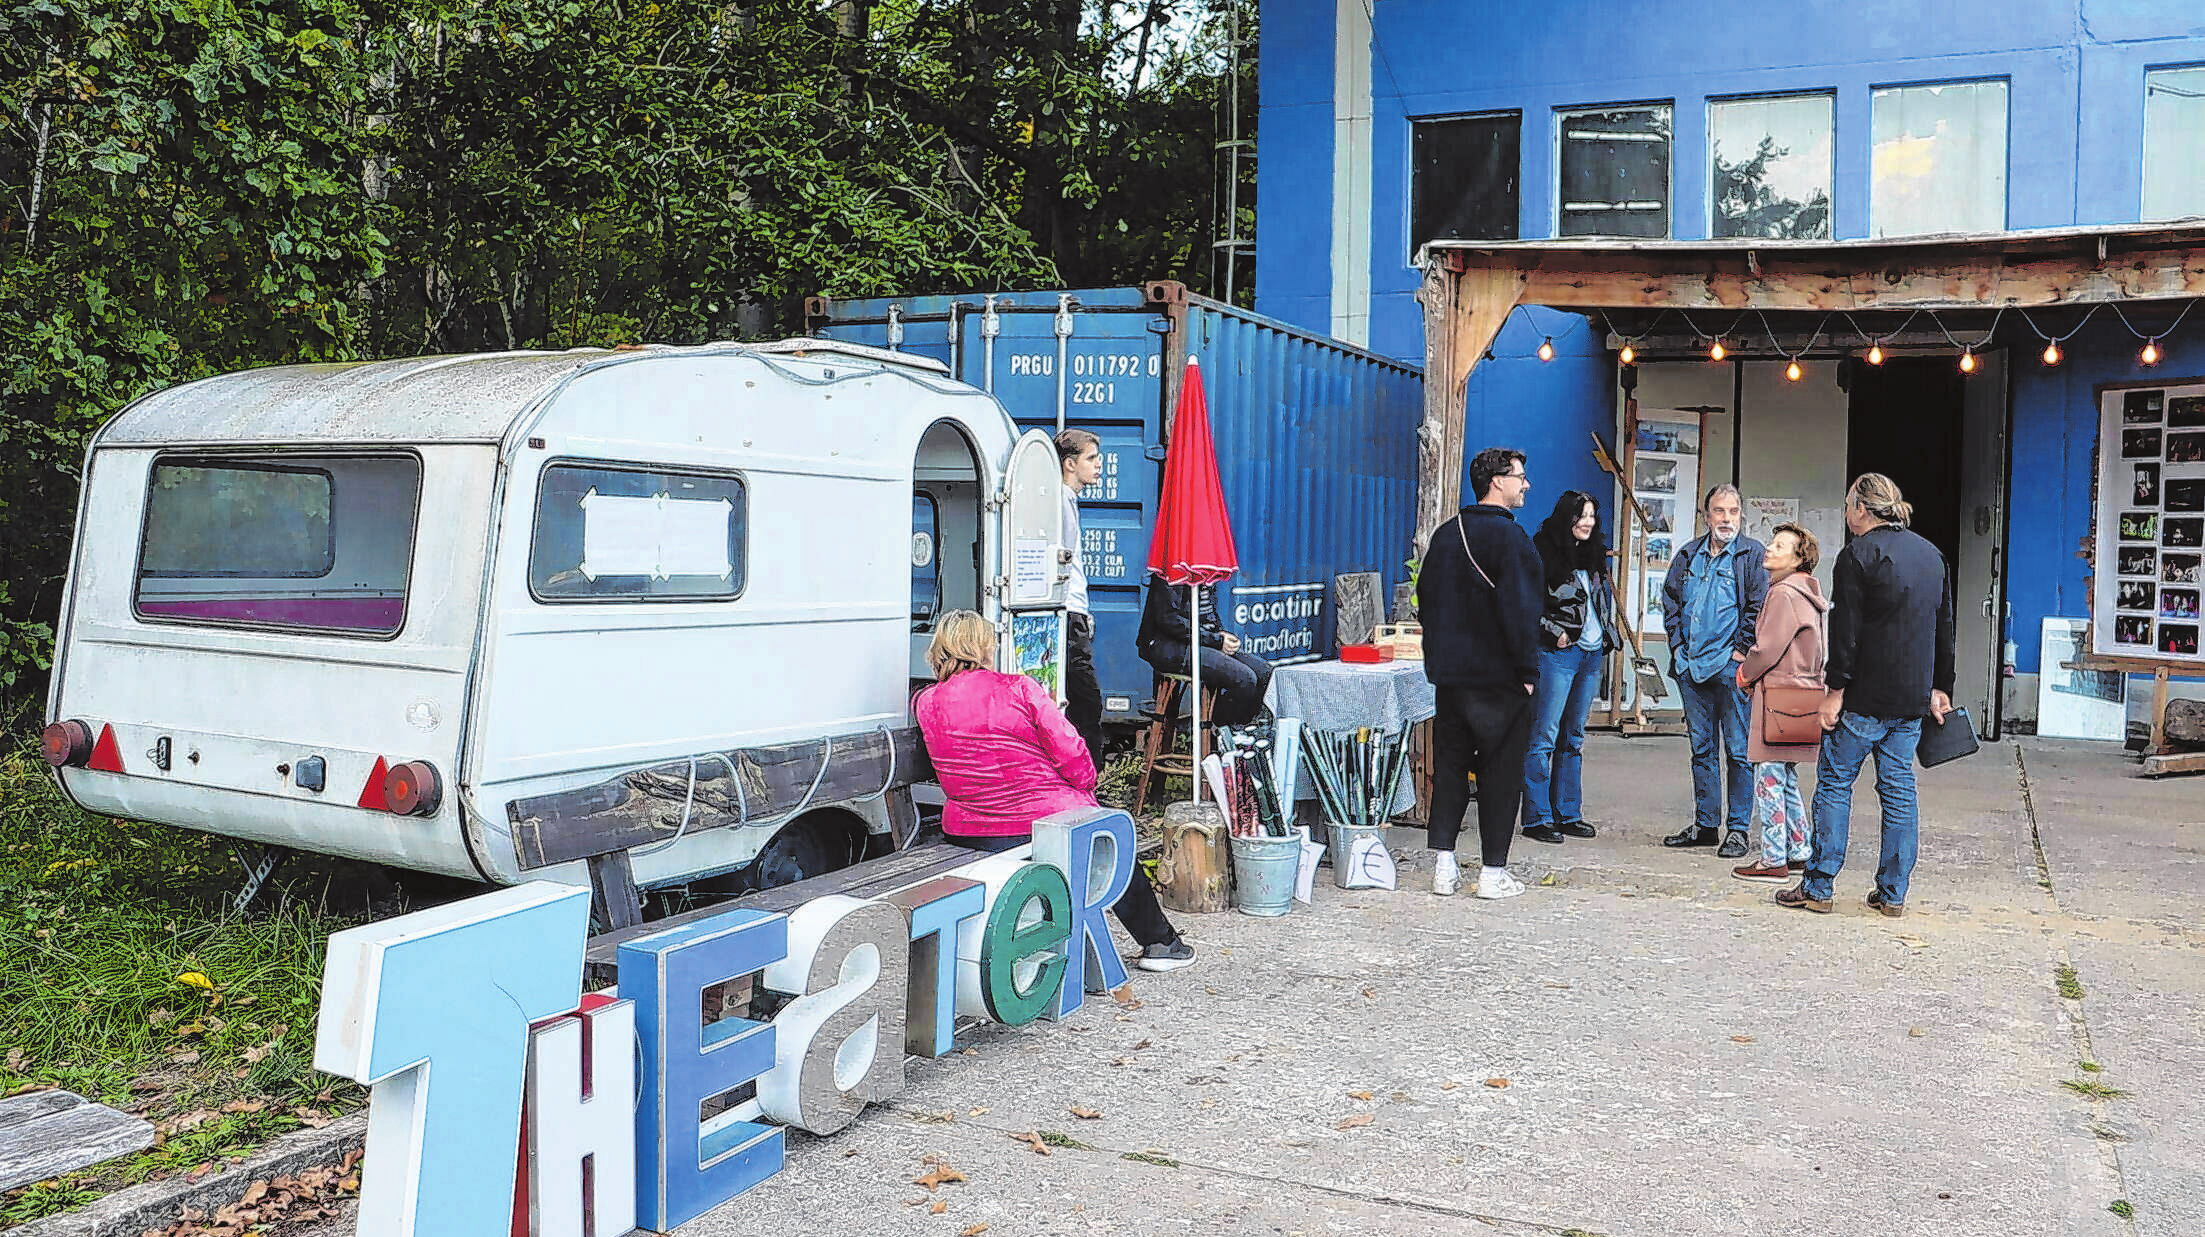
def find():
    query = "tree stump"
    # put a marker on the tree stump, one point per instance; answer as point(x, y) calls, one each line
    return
point(1194, 874)
point(2185, 722)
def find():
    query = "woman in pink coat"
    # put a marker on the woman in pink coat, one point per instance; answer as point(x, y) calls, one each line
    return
point(1006, 756)
point(1787, 651)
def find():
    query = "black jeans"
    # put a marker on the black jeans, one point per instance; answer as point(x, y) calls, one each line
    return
point(1485, 730)
point(1138, 909)
point(1083, 705)
point(1239, 679)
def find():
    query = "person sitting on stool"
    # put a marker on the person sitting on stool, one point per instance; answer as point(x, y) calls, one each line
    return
point(1238, 678)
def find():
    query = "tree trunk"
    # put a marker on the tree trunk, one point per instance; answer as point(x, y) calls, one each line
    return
point(1194, 874)
point(2185, 723)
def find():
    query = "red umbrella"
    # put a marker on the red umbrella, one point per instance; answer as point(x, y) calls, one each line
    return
point(1193, 543)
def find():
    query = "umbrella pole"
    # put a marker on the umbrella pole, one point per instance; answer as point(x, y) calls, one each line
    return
point(1194, 675)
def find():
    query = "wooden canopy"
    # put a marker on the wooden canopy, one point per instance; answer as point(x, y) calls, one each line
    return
point(1470, 287)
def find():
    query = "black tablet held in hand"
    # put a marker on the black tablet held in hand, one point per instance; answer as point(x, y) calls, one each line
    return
point(1948, 742)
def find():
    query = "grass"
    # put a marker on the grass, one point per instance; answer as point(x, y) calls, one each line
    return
point(2120, 1207)
point(2093, 1088)
point(2070, 984)
point(1055, 1138)
point(122, 978)
point(1150, 1157)
point(2091, 1067)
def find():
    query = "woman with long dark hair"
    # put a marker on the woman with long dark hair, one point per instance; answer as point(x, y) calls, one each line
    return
point(1577, 627)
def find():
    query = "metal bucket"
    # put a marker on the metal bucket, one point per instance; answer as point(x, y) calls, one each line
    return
point(1340, 843)
point(1263, 874)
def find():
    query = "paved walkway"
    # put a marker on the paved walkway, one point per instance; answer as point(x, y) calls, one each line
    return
point(1681, 1057)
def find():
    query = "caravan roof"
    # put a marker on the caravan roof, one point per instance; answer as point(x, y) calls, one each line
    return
point(450, 399)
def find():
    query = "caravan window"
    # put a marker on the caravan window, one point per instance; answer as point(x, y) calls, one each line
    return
point(608, 533)
point(317, 542)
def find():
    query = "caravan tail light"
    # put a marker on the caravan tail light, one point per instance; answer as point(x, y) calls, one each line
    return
point(412, 788)
point(68, 744)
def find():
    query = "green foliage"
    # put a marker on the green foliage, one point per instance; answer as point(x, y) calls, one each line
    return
point(190, 187)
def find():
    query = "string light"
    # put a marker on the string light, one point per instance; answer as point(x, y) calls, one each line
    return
point(2150, 354)
point(2052, 353)
point(1715, 351)
point(1967, 360)
point(1875, 354)
point(1628, 356)
point(1546, 349)
point(1791, 371)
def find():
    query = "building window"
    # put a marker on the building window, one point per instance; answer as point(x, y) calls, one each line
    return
point(612, 533)
point(1939, 160)
point(1464, 183)
point(1770, 161)
point(1614, 171)
point(2174, 143)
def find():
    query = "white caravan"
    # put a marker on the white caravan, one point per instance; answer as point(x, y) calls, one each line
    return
point(493, 616)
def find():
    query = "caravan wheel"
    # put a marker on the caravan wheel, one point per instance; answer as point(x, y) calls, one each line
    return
point(812, 845)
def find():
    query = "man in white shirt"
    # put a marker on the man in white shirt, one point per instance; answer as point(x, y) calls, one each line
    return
point(1079, 455)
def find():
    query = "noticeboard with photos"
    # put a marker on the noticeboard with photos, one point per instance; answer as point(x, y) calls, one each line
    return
point(2150, 522)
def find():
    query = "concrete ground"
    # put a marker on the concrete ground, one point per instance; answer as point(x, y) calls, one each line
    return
point(1679, 1055)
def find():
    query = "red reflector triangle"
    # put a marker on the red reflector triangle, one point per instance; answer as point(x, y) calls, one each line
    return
point(372, 796)
point(106, 754)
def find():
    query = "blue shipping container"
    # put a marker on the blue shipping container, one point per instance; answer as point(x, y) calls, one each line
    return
point(1316, 443)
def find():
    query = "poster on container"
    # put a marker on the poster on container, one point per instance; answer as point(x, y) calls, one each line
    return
point(2150, 523)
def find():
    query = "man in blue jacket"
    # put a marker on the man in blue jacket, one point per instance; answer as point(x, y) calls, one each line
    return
point(1478, 595)
point(1710, 605)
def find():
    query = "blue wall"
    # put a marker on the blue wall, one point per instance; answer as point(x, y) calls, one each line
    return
point(2075, 70)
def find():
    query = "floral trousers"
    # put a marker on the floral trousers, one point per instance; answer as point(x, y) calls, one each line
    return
point(1779, 815)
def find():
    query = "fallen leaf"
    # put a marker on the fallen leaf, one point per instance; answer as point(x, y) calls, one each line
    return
point(976, 1112)
point(1143, 1044)
point(1370, 994)
point(1086, 1114)
point(245, 1106)
point(1547, 880)
point(1032, 1139)
point(15, 1060)
point(1360, 1095)
point(1914, 1032)
point(1348, 1123)
point(1498, 1084)
point(940, 1174)
point(186, 1057)
point(1741, 1039)
point(945, 1117)
point(254, 1193)
point(974, 1231)
point(1913, 942)
point(1449, 1085)
point(196, 980)
point(940, 1206)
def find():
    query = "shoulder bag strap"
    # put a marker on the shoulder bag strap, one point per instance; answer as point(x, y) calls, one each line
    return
point(1465, 535)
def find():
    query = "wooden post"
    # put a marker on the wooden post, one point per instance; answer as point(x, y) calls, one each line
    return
point(1194, 874)
point(2158, 745)
point(1463, 312)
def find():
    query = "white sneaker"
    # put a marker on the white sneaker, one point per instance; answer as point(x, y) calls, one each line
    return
point(1445, 874)
point(1496, 885)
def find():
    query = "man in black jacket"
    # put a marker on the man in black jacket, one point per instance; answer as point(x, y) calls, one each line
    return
point(1890, 665)
point(1478, 596)
point(1166, 637)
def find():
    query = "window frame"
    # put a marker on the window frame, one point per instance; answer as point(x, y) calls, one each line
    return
point(2143, 141)
point(1562, 117)
point(2006, 191)
point(1713, 102)
point(646, 468)
point(232, 457)
point(1416, 126)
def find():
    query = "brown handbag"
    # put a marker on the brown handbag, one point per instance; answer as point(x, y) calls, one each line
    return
point(1791, 716)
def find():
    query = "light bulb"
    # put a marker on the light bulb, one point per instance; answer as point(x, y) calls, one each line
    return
point(1791, 371)
point(1967, 362)
point(1628, 356)
point(2150, 354)
point(1546, 350)
point(1875, 354)
point(2052, 353)
point(1715, 351)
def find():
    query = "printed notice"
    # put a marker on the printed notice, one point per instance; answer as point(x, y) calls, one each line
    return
point(1033, 571)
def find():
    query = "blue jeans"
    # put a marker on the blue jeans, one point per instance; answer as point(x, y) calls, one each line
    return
point(1844, 751)
point(1554, 765)
point(1707, 706)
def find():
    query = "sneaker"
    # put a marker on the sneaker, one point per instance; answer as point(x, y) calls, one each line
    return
point(1734, 845)
point(1544, 833)
point(1499, 885)
point(1446, 872)
point(1576, 828)
point(1167, 957)
point(1889, 910)
point(1797, 899)
point(1761, 872)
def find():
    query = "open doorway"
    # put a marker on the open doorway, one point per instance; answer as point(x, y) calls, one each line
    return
point(945, 536)
point(1903, 419)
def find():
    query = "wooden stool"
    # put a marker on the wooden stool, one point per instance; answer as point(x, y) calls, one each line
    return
point(1157, 758)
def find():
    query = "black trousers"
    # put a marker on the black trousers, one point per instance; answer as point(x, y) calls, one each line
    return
point(1482, 730)
point(1083, 705)
point(1239, 679)
point(1138, 909)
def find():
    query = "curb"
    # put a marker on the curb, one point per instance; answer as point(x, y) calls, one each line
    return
point(156, 1204)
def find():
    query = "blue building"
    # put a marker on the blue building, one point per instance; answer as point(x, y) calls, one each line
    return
point(1945, 242)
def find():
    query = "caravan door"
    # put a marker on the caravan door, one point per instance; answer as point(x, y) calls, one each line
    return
point(1030, 580)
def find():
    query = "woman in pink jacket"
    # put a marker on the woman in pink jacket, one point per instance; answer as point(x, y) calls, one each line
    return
point(1006, 756)
point(1788, 650)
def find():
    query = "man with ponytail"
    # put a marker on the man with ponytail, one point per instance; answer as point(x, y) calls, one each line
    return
point(1890, 665)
